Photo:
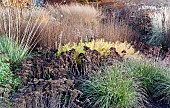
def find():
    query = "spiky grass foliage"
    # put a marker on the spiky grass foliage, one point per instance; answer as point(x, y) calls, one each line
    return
point(20, 30)
point(13, 50)
point(115, 88)
point(154, 79)
point(102, 46)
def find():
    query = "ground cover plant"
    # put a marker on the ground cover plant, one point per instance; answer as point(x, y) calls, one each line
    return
point(82, 57)
point(47, 93)
point(102, 46)
point(144, 76)
point(9, 82)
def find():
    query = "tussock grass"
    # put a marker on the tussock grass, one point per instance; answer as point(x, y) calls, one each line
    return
point(154, 78)
point(13, 50)
point(131, 83)
point(114, 88)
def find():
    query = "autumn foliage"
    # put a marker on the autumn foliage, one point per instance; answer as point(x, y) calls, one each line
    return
point(17, 3)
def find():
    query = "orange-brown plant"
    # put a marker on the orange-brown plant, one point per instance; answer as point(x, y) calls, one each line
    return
point(17, 3)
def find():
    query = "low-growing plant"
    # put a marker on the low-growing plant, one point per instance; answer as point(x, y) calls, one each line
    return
point(101, 46)
point(59, 93)
point(113, 89)
point(8, 82)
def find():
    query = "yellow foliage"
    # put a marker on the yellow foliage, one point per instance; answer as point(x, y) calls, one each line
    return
point(78, 47)
point(127, 47)
point(101, 46)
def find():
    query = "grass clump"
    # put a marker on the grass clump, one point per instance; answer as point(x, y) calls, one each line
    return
point(130, 83)
point(20, 30)
point(14, 51)
point(114, 89)
point(154, 79)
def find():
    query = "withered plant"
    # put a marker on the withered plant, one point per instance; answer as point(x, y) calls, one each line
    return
point(47, 94)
